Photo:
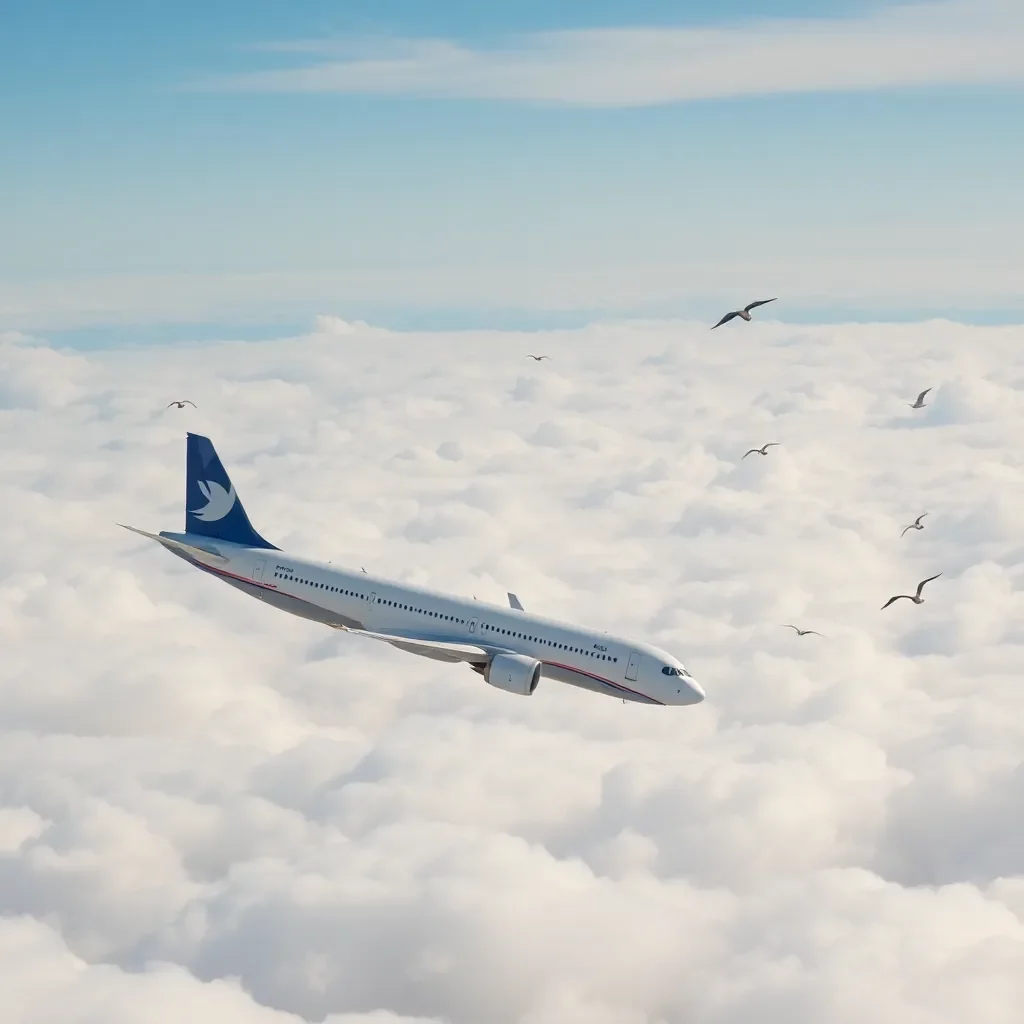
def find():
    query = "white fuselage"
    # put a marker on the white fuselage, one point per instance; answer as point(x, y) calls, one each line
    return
point(357, 600)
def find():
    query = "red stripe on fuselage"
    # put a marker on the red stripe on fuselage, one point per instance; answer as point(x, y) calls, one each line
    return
point(601, 679)
point(556, 664)
point(235, 576)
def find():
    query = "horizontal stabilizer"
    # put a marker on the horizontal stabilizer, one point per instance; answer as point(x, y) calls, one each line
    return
point(176, 545)
point(514, 603)
point(439, 650)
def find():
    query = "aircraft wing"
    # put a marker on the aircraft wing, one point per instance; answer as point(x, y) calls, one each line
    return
point(439, 650)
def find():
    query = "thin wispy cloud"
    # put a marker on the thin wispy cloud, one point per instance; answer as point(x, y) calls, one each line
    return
point(957, 42)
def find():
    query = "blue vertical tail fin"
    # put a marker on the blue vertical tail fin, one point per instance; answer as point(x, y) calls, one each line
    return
point(212, 509)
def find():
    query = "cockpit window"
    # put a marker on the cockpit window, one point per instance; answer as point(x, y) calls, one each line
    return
point(668, 670)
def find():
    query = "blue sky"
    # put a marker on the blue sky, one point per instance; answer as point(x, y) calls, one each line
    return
point(255, 161)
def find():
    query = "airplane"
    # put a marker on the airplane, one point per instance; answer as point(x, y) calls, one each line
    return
point(511, 648)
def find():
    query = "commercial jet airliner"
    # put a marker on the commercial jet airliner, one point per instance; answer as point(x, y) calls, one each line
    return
point(509, 647)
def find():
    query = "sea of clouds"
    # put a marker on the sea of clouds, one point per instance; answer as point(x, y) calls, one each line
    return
point(214, 812)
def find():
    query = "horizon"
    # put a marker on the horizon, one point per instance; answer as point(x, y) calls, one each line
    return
point(232, 160)
point(336, 239)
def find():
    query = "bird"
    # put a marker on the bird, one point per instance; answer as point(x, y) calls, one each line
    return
point(763, 450)
point(182, 404)
point(919, 404)
point(536, 358)
point(804, 632)
point(916, 598)
point(916, 524)
point(744, 312)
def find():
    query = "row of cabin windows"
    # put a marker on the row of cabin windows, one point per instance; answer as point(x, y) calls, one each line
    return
point(319, 586)
point(380, 600)
point(452, 618)
point(421, 611)
point(549, 643)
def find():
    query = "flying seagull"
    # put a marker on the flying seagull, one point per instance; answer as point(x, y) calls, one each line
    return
point(182, 404)
point(919, 404)
point(803, 632)
point(763, 450)
point(744, 312)
point(537, 358)
point(916, 598)
point(916, 524)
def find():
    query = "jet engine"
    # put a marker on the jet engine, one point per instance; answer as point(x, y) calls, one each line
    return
point(513, 672)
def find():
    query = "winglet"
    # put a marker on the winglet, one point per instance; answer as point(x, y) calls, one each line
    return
point(513, 602)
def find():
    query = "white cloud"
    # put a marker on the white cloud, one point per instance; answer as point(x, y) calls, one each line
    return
point(45, 982)
point(944, 42)
point(211, 811)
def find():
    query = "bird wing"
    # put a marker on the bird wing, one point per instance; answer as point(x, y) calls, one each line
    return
point(917, 521)
point(754, 305)
point(169, 404)
point(725, 319)
point(920, 585)
point(789, 625)
point(772, 444)
point(190, 402)
point(896, 598)
point(920, 397)
point(905, 528)
point(751, 452)
point(815, 632)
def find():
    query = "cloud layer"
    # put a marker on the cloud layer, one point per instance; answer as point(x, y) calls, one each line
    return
point(210, 810)
point(946, 42)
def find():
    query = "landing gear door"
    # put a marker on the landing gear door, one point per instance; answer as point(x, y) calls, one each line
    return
point(633, 666)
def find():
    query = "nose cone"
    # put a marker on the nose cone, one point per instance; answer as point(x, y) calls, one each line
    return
point(691, 691)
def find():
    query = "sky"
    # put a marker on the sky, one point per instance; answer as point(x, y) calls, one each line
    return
point(210, 810)
point(192, 167)
point(339, 228)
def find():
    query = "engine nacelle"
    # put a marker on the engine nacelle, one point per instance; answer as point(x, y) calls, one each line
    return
point(514, 673)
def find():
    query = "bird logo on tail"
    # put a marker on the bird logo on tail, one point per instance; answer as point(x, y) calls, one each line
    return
point(219, 502)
